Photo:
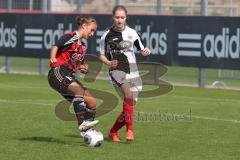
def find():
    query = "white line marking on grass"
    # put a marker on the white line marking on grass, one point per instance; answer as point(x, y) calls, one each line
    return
point(24, 87)
point(118, 110)
point(24, 102)
point(197, 98)
point(215, 119)
point(190, 119)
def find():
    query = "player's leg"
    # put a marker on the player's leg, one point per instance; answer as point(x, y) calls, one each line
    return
point(126, 116)
point(84, 105)
point(118, 124)
point(116, 77)
point(136, 87)
point(61, 80)
point(128, 110)
point(76, 89)
point(131, 92)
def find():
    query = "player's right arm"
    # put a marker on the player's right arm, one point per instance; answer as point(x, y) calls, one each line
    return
point(139, 45)
point(104, 59)
point(53, 54)
point(102, 56)
point(111, 64)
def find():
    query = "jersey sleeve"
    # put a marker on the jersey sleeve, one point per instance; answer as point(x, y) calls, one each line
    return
point(102, 47)
point(63, 41)
point(138, 43)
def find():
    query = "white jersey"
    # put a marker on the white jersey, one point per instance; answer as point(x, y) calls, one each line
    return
point(119, 45)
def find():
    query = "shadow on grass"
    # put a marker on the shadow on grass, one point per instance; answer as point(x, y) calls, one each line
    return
point(73, 136)
point(49, 140)
point(107, 139)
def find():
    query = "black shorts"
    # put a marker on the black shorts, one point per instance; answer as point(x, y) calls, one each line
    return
point(59, 78)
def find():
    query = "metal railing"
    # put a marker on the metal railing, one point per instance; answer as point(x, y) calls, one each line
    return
point(164, 7)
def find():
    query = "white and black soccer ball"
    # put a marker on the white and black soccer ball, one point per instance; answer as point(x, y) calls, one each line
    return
point(93, 138)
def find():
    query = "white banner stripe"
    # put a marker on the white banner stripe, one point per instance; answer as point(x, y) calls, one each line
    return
point(189, 36)
point(189, 53)
point(33, 38)
point(33, 31)
point(33, 46)
point(189, 45)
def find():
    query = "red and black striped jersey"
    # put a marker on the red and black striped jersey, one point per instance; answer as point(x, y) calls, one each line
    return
point(70, 52)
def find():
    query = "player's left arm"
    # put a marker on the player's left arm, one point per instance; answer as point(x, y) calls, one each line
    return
point(83, 68)
point(145, 51)
point(139, 45)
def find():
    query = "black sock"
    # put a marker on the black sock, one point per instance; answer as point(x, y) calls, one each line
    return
point(79, 109)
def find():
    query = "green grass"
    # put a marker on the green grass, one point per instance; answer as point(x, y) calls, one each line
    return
point(24, 64)
point(195, 124)
point(190, 75)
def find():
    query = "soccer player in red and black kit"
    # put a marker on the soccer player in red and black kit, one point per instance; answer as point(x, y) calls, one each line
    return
point(66, 58)
point(117, 51)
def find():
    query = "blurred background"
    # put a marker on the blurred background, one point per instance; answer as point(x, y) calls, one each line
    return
point(187, 76)
point(145, 7)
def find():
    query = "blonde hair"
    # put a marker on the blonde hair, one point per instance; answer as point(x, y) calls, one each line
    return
point(85, 20)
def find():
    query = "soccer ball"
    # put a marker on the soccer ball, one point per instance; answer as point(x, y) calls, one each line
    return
point(93, 138)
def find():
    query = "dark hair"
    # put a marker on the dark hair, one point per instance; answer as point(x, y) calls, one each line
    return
point(119, 7)
point(85, 20)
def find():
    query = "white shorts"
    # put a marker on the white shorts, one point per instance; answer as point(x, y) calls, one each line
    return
point(118, 78)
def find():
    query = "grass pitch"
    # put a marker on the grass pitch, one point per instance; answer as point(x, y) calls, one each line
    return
point(185, 124)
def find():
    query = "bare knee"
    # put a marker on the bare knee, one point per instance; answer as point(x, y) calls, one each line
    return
point(128, 95)
point(90, 102)
point(76, 90)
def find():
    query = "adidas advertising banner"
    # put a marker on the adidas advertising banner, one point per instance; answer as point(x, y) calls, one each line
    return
point(209, 42)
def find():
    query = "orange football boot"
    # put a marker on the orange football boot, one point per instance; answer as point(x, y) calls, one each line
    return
point(129, 135)
point(114, 136)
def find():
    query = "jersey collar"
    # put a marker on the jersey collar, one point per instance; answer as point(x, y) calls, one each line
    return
point(118, 30)
point(79, 40)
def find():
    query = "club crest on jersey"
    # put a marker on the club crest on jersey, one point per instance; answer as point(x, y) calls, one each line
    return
point(125, 44)
point(130, 37)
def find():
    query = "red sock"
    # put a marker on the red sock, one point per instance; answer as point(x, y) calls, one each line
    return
point(126, 117)
point(128, 110)
point(119, 123)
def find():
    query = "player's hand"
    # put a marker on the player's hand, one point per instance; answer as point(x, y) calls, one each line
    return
point(83, 68)
point(53, 60)
point(146, 52)
point(113, 64)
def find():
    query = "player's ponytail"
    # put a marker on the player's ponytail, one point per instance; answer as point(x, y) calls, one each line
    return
point(85, 20)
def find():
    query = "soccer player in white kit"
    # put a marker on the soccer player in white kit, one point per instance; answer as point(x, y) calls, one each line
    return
point(117, 51)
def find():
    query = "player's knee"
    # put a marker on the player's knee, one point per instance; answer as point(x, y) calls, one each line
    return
point(128, 95)
point(91, 102)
